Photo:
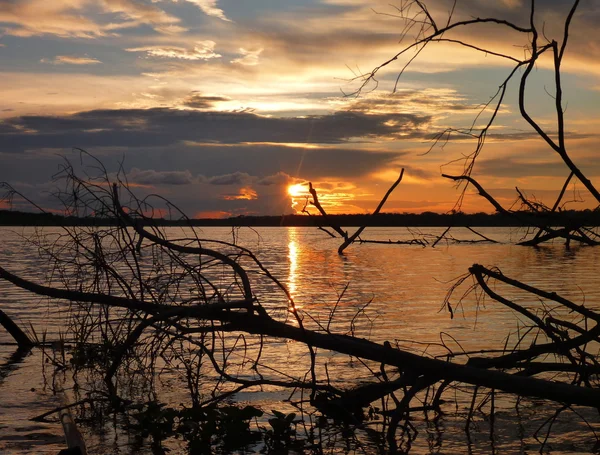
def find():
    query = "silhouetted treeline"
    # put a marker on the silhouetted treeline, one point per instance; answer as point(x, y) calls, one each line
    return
point(426, 219)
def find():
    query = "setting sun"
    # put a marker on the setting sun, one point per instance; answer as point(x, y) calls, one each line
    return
point(297, 190)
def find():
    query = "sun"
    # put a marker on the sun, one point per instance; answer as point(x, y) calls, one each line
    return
point(297, 190)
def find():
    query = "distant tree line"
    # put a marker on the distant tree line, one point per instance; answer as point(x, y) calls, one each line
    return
point(425, 219)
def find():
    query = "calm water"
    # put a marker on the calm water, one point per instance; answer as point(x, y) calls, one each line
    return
point(406, 286)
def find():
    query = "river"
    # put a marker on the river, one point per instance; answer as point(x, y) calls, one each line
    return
point(405, 285)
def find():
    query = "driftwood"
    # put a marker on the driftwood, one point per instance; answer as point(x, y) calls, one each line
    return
point(73, 437)
point(15, 331)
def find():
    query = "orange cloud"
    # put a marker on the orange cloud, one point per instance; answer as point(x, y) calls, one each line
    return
point(245, 193)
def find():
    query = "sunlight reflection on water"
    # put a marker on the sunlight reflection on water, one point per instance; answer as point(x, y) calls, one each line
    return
point(402, 288)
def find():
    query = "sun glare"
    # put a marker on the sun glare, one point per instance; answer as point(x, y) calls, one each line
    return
point(296, 190)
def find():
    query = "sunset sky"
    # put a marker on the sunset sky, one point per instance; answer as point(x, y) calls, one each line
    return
point(221, 105)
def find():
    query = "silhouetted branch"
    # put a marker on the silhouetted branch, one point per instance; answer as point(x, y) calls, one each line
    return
point(355, 237)
point(359, 231)
point(429, 32)
point(15, 331)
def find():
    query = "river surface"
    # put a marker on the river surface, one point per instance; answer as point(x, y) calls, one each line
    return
point(405, 285)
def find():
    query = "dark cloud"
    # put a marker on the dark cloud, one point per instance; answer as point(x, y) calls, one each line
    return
point(197, 100)
point(152, 177)
point(257, 160)
point(162, 127)
point(281, 178)
point(266, 160)
point(204, 160)
point(236, 178)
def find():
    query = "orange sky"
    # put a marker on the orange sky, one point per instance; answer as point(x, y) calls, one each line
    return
point(221, 105)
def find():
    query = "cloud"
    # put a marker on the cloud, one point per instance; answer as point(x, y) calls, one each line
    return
point(209, 7)
point(188, 175)
point(40, 17)
point(170, 29)
point(139, 11)
point(212, 178)
point(426, 100)
point(236, 178)
point(197, 100)
point(281, 178)
point(248, 58)
point(203, 50)
point(162, 127)
point(72, 18)
point(244, 194)
point(152, 177)
point(71, 60)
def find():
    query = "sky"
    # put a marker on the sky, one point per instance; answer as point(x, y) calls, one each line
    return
point(230, 107)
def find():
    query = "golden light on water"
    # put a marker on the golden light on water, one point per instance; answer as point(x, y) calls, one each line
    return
point(293, 258)
point(293, 252)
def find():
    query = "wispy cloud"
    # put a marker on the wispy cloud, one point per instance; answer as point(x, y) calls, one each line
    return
point(40, 17)
point(249, 58)
point(427, 100)
point(72, 18)
point(209, 7)
point(203, 50)
point(139, 11)
point(71, 60)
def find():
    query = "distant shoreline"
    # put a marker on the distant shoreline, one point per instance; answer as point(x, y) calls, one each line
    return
point(427, 219)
